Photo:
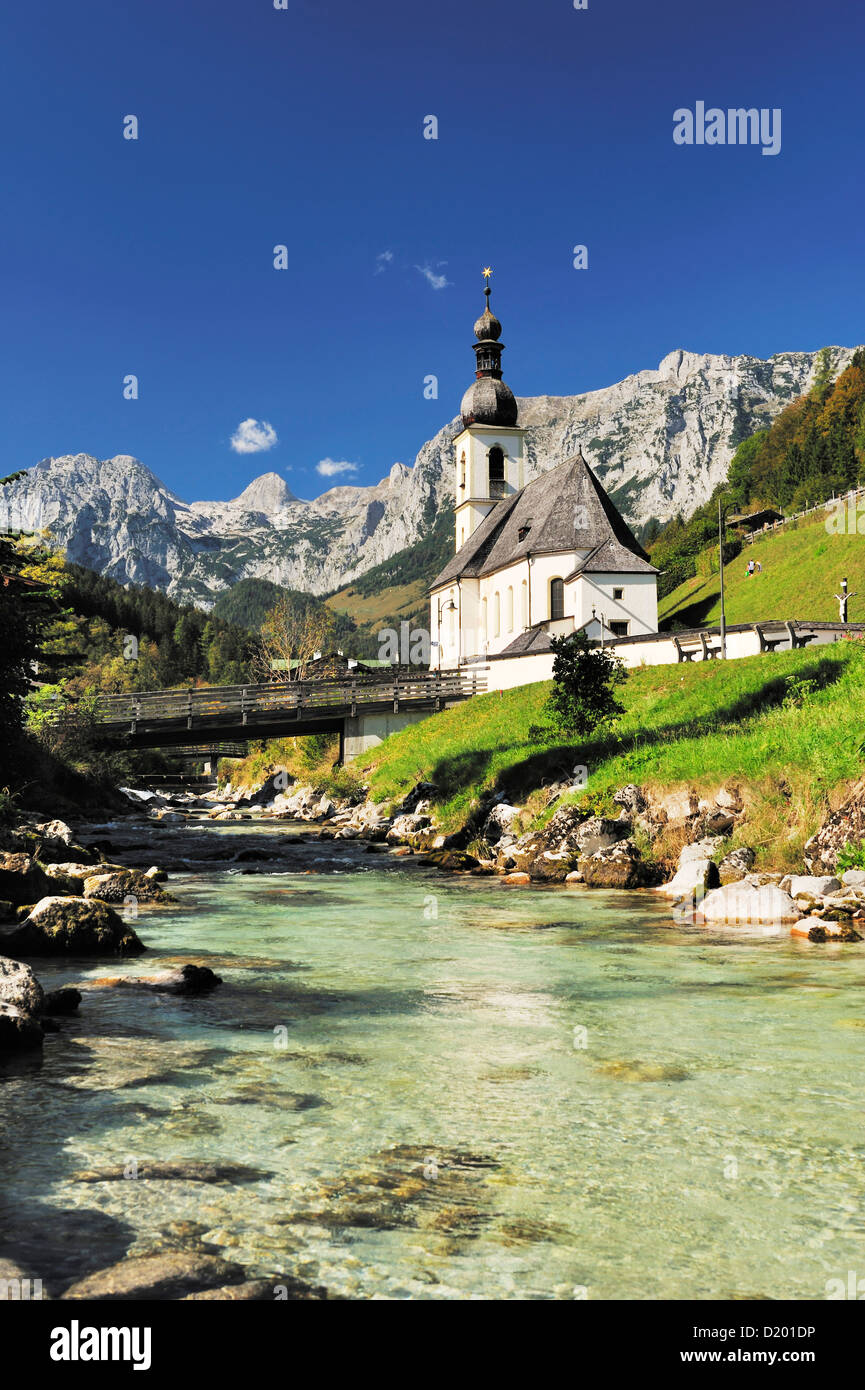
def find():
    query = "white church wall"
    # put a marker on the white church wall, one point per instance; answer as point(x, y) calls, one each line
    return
point(638, 606)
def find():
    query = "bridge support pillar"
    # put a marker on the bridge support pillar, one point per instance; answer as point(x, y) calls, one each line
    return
point(366, 731)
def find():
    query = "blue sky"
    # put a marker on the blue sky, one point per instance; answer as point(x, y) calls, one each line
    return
point(304, 127)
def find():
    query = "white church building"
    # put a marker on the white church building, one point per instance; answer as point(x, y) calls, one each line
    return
point(532, 559)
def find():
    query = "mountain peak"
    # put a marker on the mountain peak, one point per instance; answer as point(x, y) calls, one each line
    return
point(268, 493)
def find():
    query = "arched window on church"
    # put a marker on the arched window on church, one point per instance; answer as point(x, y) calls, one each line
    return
point(462, 470)
point(524, 604)
point(497, 615)
point(557, 599)
point(483, 622)
point(509, 610)
point(496, 462)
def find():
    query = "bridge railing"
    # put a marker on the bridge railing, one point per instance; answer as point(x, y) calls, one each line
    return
point(246, 703)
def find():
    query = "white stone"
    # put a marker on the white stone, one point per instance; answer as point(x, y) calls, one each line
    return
point(746, 902)
point(810, 885)
point(693, 875)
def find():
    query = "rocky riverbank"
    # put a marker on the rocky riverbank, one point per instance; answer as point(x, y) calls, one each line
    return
point(678, 843)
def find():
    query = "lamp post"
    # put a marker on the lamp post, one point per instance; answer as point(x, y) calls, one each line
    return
point(722, 509)
point(450, 607)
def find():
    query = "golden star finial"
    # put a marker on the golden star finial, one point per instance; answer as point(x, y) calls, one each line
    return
point(487, 272)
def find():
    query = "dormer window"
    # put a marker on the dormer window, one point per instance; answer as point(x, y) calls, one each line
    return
point(523, 532)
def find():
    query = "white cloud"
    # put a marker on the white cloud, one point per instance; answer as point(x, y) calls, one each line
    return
point(433, 277)
point(329, 468)
point(382, 260)
point(253, 437)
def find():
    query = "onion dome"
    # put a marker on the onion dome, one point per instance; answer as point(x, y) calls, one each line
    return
point(487, 326)
point(488, 401)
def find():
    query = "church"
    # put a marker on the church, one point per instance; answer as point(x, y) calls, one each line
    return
point(534, 559)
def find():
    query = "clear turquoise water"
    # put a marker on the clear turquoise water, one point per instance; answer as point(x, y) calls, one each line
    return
point(396, 1052)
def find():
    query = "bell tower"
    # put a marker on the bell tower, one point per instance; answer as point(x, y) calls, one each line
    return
point(490, 449)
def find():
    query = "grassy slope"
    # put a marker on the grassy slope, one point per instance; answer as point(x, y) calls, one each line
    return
point(701, 725)
point(400, 599)
point(802, 567)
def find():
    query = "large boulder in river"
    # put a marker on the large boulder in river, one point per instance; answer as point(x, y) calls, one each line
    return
point(23, 880)
point(116, 886)
point(72, 927)
point(19, 987)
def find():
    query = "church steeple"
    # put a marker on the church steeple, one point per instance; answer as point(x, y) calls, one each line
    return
point(488, 401)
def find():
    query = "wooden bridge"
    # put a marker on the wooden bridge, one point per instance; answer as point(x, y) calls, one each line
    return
point(362, 711)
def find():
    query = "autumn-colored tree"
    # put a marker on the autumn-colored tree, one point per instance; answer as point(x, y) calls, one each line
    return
point(291, 634)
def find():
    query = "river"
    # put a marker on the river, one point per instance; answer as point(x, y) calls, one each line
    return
point(449, 1088)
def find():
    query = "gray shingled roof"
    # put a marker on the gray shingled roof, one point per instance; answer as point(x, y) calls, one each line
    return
point(548, 510)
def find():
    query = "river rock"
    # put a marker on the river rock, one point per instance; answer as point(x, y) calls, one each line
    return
point(819, 929)
point(617, 866)
point(115, 887)
point(74, 927)
point(170, 1275)
point(699, 849)
point(20, 988)
point(516, 878)
point(453, 859)
point(23, 880)
point(748, 902)
point(56, 830)
point(187, 979)
point(19, 1031)
point(499, 822)
point(695, 875)
point(812, 886)
point(735, 865)
point(61, 1002)
point(853, 878)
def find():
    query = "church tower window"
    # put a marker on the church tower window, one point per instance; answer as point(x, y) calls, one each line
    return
point(462, 469)
point(497, 472)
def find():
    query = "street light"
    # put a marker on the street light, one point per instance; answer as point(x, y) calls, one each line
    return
point(721, 516)
point(450, 607)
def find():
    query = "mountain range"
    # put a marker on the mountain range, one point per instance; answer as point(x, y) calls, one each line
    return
point(660, 441)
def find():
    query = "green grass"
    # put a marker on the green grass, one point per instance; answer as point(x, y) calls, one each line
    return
point(802, 568)
point(789, 728)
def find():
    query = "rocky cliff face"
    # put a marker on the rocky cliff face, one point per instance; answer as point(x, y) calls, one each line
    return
point(660, 441)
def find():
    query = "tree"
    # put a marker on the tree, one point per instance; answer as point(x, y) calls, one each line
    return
point(584, 680)
point(28, 593)
point(291, 634)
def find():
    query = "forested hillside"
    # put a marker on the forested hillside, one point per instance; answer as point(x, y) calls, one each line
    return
point(813, 450)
